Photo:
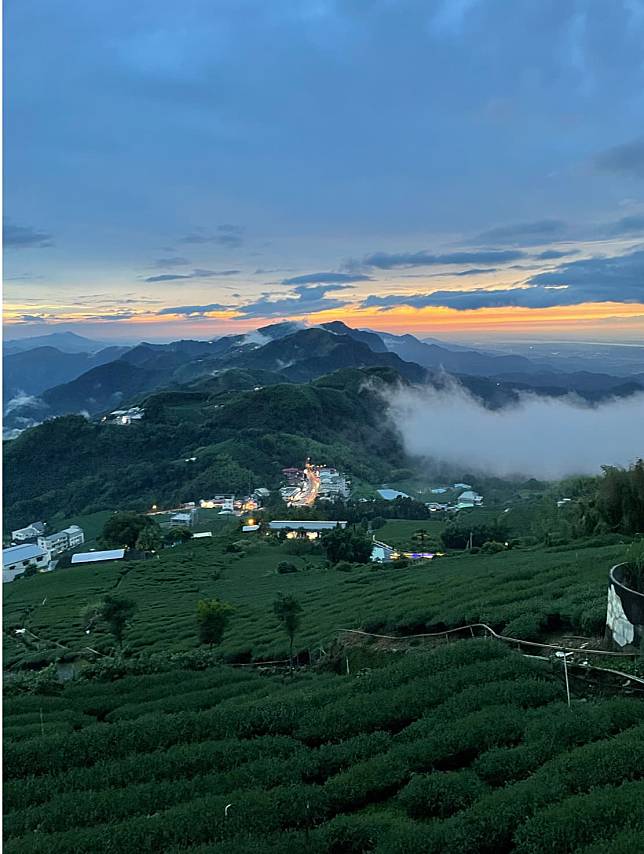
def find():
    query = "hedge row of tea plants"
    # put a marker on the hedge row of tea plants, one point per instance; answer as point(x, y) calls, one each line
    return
point(470, 747)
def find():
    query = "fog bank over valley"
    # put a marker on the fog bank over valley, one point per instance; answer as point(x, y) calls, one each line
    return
point(543, 437)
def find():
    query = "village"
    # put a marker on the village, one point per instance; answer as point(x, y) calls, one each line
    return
point(33, 549)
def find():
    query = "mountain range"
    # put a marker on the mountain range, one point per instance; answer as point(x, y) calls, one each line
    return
point(45, 381)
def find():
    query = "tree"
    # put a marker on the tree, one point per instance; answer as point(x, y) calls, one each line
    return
point(212, 619)
point(420, 536)
point(114, 612)
point(289, 613)
point(123, 529)
point(178, 534)
point(350, 544)
point(149, 539)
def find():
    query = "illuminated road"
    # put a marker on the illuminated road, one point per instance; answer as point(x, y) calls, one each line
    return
point(306, 496)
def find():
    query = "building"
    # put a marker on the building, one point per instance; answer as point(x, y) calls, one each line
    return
point(68, 538)
point(218, 502)
point(125, 416)
point(462, 486)
point(98, 557)
point(250, 529)
point(17, 559)
point(305, 525)
point(470, 498)
point(293, 475)
point(55, 544)
point(300, 528)
point(186, 518)
point(435, 506)
point(31, 532)
point(381, 552)
point(332, 484)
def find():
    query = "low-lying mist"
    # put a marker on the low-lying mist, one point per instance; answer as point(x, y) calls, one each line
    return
point(542, 437)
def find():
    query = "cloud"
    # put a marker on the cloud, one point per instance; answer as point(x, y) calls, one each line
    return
point(25, 237)
point(626, 159)
point(555, 254)
point(612, 279)
point(331, 278)
point(389, 261)
point(524, 233)
point(22, 399)
point(541, 437)
point(224, 235)
point(304, 299)
point(194, 310)
point(195, 274)
point(633, 224)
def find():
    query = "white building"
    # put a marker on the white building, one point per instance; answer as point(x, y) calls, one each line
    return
point(125, 416)
point(381, 552)
point(332, 484)
point(17, 559)
point(68, 538)
point(183, 518)
point(470, 498)
point(218, 502)
point(30, 532)
point(55, 544)
point(435, 506)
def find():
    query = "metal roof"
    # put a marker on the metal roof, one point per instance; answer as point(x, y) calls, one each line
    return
point(299, 525)
point(14, 554)
point(92, 557)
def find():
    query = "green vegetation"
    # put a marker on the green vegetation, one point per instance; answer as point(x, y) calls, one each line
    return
point(212, 619)
point(238, 438)
point(131, 530)
point(347, 544)
point(289, 614)
point(112, 611)
point(562, 589)
point(467, 749)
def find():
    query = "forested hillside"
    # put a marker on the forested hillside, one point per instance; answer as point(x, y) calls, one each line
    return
point(71, 465)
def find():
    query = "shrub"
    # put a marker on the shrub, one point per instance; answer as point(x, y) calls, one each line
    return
point(492, 547)
point(440, 794)
point(526, 627)
point(284, 567)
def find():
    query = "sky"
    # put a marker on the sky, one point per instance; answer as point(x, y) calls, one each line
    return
point(446, 167)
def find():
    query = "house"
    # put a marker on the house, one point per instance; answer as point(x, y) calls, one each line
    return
point(435, 507)
point(68, 538)
point(17, 559)
point(54, 543)
point(381, 552)
point(462, 485)
point(125, 416)
point(183, 518)
point(218, 502)
point(438, 490)
point(249, 529)
point(470, 498)
point(98, 557)
point(30, 532)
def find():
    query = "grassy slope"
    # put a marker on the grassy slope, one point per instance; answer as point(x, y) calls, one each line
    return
point(468, 749)
point(563, 588)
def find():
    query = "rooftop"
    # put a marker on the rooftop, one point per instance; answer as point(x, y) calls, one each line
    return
point(18, 553)
point(92, 557)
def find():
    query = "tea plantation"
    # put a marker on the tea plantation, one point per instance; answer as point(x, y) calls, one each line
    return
point(545, 589)
point(466, 748)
